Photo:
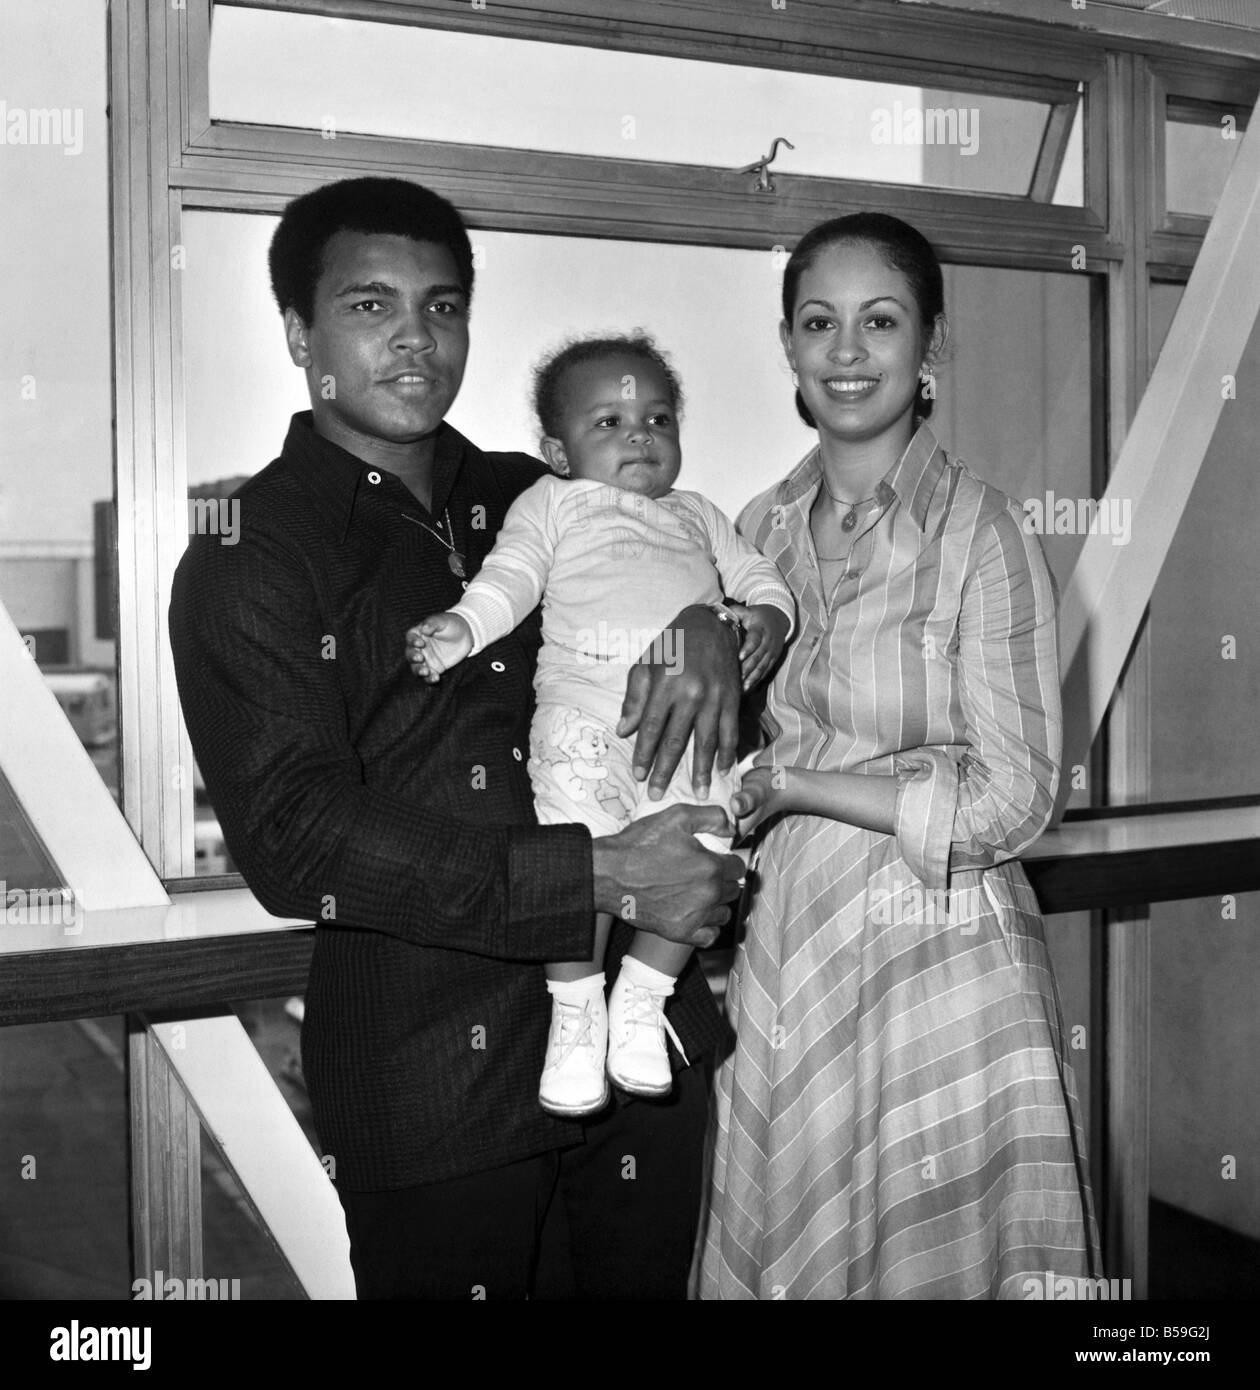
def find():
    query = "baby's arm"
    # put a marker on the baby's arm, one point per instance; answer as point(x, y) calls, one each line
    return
point(766, 607)
point(505, 591)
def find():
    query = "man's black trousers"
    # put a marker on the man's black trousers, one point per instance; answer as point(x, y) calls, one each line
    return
point(614, 1217)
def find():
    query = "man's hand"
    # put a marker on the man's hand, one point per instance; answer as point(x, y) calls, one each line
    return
point(656, 875)
point(437, 644)
point(686, 685)
point(766, 628)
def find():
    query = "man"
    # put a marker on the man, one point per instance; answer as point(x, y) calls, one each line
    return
point(398, 816)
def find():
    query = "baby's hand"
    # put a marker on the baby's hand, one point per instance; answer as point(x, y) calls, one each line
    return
point(766, 630)
point(437, 644)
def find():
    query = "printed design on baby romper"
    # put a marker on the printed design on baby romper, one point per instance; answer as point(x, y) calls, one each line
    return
point(692, 533)
point(622, 542)
point(576, 750)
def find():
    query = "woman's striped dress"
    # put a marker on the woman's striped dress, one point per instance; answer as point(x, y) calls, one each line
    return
point(899, 1118)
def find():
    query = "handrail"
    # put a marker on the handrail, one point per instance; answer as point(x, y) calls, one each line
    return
point(1127, 858)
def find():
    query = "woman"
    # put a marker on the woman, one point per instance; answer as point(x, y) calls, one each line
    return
point(898, 1119)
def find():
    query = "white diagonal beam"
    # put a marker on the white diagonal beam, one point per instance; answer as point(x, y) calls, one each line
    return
point(1163, 451)
point(62, 793)
point(262, 1143)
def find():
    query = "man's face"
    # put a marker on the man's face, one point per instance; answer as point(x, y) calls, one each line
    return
point(385, 349)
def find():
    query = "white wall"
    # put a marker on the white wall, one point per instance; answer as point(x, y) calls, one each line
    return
point(715, 311)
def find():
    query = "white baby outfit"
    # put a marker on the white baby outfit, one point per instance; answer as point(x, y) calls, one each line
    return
point(613, 569)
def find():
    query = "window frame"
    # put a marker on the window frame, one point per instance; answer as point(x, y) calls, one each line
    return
point(168, 158)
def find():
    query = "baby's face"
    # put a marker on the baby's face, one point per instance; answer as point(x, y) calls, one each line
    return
point(620, 426)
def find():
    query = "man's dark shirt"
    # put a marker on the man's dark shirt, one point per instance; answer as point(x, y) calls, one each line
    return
point(395, 815)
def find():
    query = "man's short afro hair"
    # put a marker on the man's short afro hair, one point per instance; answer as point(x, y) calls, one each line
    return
point(388, 207)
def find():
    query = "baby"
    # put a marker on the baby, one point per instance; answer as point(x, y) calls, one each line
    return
point(615, 553)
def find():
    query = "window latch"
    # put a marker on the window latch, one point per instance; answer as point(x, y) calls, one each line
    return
point(761, 167)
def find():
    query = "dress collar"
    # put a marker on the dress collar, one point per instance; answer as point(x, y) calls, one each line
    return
point(912, 479)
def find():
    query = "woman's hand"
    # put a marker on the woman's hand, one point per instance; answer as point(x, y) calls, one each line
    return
point(762, 793)
point(766, 629)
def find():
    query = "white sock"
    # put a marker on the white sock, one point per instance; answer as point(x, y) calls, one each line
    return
point(646, 977)
point(589, 987)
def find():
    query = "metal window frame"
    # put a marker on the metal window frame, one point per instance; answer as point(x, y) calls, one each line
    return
point(1175, 236)
point(169, 158)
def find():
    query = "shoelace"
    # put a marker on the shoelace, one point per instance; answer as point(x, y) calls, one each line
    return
point(574, 1021)
point(643, 1006)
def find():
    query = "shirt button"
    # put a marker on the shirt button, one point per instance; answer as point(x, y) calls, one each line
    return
point(374, 477)
point(497, 666)
point(516, 753)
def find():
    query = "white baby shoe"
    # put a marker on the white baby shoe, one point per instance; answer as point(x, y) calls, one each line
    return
point(573, 1080)
point(638, 1060)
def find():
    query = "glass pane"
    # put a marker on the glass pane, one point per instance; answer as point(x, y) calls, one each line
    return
point(1204, 623)
point(1070, 189)
point(25, 865)
point(1197, 159)
point(1205, 1129)
point(64, 1224)
point(1016, 336)
point(337, 76)
point(1015, 392)
point(57, 570)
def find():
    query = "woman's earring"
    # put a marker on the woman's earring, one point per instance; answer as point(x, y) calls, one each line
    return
point(927, 379)
point(795, 379)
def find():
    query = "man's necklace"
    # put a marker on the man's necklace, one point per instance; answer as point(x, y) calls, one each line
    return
point(455, 560)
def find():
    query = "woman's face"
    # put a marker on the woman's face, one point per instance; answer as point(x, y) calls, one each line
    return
point(856, 343)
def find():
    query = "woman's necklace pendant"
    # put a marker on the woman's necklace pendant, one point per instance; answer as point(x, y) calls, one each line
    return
point(456, 562)
point(849, 521)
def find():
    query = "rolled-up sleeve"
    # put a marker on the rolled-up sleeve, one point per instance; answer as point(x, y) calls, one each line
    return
point(984, 802)
point(1009, 689)
point(923, 816)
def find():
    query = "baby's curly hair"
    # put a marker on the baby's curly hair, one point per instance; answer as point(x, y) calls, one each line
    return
point(549, 374)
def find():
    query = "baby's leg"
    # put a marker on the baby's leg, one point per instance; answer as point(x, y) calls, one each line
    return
point(575, 780)
point(569, 970)
point(638, 1058)
point(669, 957)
